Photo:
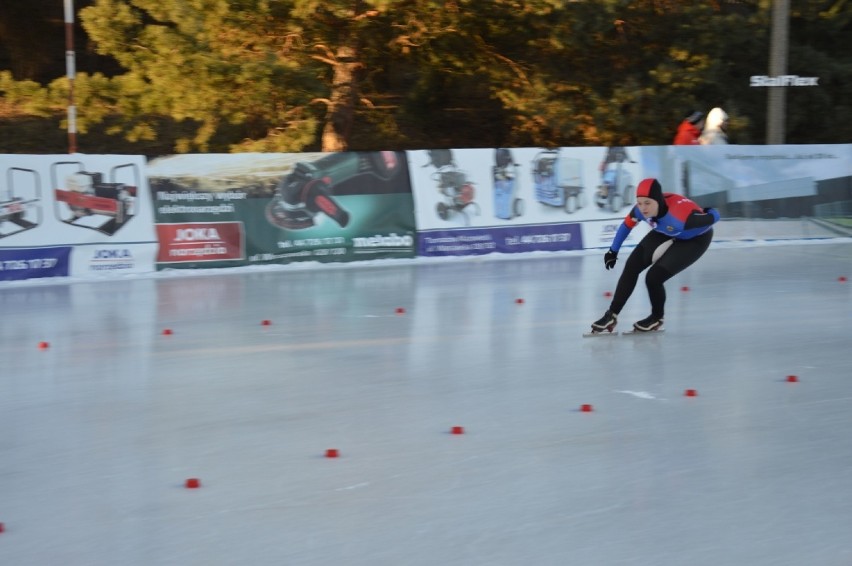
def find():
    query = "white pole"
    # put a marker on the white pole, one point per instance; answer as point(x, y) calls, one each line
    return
point(70, 72)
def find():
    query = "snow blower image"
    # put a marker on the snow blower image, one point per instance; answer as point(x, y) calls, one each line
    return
point(87, 199)
point(453, 185)
point(558, 180)
point(310, 188)
point(507, 205)
point(617, 186)
point(20, 211)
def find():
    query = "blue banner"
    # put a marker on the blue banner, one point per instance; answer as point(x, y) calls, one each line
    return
point(500, 239)
point(30, 263)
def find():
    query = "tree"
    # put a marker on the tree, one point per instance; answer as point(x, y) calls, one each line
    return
point(280, 71)
point(305, 75)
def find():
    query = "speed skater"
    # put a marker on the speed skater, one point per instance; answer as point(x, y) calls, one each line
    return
point(681, 231)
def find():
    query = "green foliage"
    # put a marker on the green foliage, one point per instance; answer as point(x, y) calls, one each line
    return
point(305, 75)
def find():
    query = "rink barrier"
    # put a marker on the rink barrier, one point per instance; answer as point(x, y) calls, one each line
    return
point(96, 216)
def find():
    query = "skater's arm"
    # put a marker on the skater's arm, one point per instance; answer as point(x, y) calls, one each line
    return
point(622, 232)
point(701, 219)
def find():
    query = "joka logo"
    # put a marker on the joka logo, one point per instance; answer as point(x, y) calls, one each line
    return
point(782, 80)
point(201, 241)
point(112, 254)
point(111, 259)
point(197, 235)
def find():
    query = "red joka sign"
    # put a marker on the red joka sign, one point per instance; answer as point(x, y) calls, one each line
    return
point(200, 241)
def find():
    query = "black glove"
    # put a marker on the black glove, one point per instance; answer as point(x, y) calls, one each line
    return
point(609, 259)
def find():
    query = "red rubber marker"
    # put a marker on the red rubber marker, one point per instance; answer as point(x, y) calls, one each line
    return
point(842, 279)
point(2, 527)
point(332, 453)
point(457, 430)
point(400, 310)
point(43, 345)
point(586, 408)
point(265, 322)
point(691, 393)
point(607, 293)
point(792, 379)
point(519, 301)
point(193, 483)
point(684, 288)
point(167, 332)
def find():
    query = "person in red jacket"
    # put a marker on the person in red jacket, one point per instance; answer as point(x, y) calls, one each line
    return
point(690, 129)
point(681, 231)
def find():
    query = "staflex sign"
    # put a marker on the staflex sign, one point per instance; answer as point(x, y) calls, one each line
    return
point(782, 80)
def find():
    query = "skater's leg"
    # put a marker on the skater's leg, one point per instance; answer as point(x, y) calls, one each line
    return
point(636, 262)
point(634, 265)
point(684, 253)
point(640, 258)
point(680, 255)
point(654, 280)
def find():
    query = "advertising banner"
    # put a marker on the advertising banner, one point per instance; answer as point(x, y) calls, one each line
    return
point(97, 215)
point(251, 209)
point(86, 213)
point(477, 201)
point(474, 201)
point(762, 192)
point(31, 263)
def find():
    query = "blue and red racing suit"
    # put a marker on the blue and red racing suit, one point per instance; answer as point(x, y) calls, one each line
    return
point(676, 240)
point(684, 220)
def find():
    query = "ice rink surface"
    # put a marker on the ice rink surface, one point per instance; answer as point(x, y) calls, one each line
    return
point(101, 426)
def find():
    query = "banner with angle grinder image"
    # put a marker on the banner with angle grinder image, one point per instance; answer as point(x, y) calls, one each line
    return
point(226, 210)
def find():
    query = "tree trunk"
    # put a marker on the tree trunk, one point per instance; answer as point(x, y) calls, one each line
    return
point(341, 108)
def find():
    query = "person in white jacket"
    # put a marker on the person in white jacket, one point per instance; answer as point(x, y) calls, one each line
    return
point(715, 128)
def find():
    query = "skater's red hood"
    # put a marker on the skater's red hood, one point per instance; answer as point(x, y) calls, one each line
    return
point(651, 188)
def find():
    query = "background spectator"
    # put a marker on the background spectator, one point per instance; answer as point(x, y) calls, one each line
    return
point(715, 128)
point(689, 130)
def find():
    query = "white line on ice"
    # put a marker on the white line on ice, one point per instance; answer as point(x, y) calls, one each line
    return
point(641, 395)
point(356, 486)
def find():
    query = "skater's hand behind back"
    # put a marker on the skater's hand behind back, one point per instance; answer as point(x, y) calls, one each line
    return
point(712, 212)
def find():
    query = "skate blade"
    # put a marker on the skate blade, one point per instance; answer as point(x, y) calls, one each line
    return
point(599, 334)
point(633, 332)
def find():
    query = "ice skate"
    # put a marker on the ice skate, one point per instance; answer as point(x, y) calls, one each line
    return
point(604, 325)
point(650, 324)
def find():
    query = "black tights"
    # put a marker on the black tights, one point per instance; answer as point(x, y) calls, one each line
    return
point(679, 255)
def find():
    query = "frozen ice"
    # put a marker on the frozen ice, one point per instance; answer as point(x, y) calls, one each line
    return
point(100, 431)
